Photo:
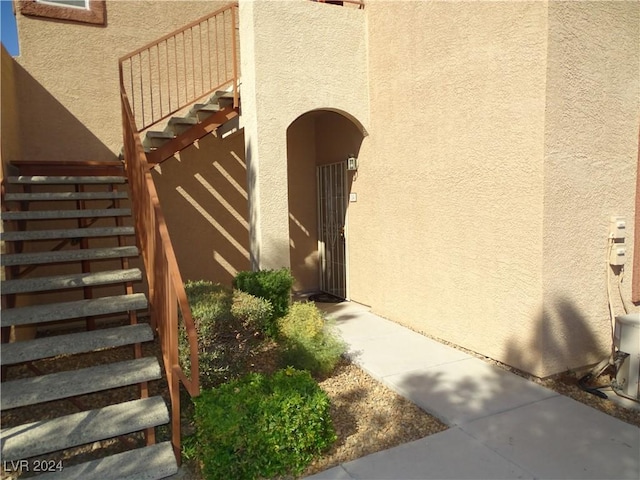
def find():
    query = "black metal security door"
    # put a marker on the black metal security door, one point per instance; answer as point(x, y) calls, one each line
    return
point(332, 209)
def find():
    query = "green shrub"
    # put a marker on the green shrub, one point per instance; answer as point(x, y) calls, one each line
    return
point(272, 285)
point(308, 340)
point(228, 325)
point(253, 312)
point(260, 427)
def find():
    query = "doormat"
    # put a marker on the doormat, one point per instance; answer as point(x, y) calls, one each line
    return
point(325, 298)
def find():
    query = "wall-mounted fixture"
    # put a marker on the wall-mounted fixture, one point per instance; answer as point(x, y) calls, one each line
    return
point(352, 163)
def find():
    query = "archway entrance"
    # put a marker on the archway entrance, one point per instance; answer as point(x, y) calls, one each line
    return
point(318, 146)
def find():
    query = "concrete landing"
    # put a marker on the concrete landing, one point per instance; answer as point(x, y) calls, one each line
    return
point(502, 425)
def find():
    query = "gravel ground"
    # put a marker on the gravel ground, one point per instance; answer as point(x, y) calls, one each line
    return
point(369, 417)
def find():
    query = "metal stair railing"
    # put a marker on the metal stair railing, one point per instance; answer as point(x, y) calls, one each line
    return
point(166, 288)
point(166, 75)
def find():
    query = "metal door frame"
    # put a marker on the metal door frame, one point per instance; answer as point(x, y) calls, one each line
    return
point(325, 177)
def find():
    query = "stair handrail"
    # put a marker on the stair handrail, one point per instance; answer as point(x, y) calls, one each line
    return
point(166, 288)
point(161, 78)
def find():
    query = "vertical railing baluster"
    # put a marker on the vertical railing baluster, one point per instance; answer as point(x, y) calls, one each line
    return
point(159, 79)
point(215, 24)
point(133, 96)
point(141, 87)
point(150, 85)
point(166, 50)
point(193, 64)
point(209, 50)
point(201, 59)
point(184, 64)
point(234, 57)
point(175, 54)
point(224, 45)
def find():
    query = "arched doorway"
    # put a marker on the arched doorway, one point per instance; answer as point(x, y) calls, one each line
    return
point(319, 144)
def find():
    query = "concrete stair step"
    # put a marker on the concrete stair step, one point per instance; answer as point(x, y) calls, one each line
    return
point(163, 134)
point(222, 98)
point(33, 314)
point(204, 110)
point(73, 343)
point(48, 436)
point(55, 386)
point(157, 139)
point(65, 180)
point(149, 463)
point(73, 280)
point(61, 256)
point(65, 233)
point(63, 214)
point(179, 125)
point(57, 196)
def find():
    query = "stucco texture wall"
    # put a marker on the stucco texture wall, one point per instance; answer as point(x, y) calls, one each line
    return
point(297, 56)
point(203, 193)
point(590, 163)
point(9, 121)
point(450, 186)
point(301, 173)
point(72, 110)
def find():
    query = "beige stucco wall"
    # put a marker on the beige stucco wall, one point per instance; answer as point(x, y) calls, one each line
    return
point(9, 122)
point(73, 107)
point(450, 187)
point(301, 172)
point(203, 193)
point(485, 193)
point(296, 56)
point(590, 162)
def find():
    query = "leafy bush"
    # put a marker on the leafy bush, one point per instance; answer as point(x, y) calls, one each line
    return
point(228, 325)
point(253, 312)
point(272, 285)
point(308, 340)
point(260, 426)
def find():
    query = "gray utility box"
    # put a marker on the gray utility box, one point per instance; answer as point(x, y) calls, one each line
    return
point(627, 341)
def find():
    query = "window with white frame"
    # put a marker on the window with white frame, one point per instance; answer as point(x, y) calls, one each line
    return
point(84, 4)
point(82, 11)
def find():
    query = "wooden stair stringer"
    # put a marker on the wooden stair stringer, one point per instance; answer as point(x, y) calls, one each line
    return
point(188, 137)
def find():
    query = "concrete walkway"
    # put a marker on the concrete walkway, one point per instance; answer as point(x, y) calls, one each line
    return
point(501, 425)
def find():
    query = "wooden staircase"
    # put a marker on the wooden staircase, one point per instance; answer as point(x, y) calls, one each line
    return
point(215, 115)
point(69, 251)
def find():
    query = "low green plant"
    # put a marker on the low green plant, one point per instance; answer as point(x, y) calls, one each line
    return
point(262, 426)
point(228, 326)
point(272, 285)
point(308, 340)
point(254, 312)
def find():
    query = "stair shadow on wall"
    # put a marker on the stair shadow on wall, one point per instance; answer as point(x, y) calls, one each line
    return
point(203, 195)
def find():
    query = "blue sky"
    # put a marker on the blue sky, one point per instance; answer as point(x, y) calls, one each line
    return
point(8, 33)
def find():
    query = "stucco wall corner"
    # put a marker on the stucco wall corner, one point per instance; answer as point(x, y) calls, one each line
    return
point(590, 168)
point(297, 56)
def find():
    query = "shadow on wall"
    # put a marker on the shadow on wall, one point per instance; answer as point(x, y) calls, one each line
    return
point(204, 198)
point(48, 131)
point(561, 339)
point(252, 180)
